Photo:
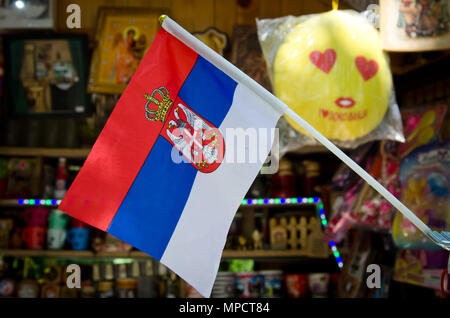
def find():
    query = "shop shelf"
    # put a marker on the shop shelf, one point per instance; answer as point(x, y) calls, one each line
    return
point(246, 203)
point(78, 153)
point(311, 149)
point(227, 254)
point(25, 203)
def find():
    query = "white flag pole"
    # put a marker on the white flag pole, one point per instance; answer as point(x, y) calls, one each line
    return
point(232, 71)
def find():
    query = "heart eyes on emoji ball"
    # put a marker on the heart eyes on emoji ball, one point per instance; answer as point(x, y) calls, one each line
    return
point(325, 61)
point(331, 70)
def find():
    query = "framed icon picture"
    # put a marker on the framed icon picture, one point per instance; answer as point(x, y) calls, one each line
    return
point(415, 25)
point(123, 37)
point(46, 74)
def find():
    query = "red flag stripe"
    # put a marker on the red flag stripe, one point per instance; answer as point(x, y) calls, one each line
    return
point(126, 140)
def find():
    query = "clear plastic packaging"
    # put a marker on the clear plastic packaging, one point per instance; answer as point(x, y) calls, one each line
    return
point(331, 70)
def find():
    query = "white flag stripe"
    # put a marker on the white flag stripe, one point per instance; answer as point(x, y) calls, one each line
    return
point(195, 248)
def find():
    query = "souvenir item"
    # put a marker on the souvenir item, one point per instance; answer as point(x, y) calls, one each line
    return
point(278, 234)
point(415, 25)
point(7, 287)
point(332, 71)
point(57, 219)
point(46, 74)
point(34, 237)
point(249, 285)
point(56, 238)
point(420, 126)
point(224, 285)
point(246, 54)
point(213, 38)
point(50, 291)
point(318, 284)
point(78, 238)
point(311, 178)
point(53, 274)
point(109, 243)
point(273, 283)
point(424, 178)
point(24, 177)
point(126, 288)
point(371, 208)
point(36, 217)
point(296, 285)
point(283, 182)
point(61, 179)
point(87, 289)
point(123, 36)
point(28, 288)
point(351, 281)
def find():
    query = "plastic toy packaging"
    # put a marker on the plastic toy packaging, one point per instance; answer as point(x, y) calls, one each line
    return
point(331, 70)
point(425, 179)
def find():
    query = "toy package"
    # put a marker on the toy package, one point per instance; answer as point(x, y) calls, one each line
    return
point(425, 178)
point(420, 126)
point(331, 70)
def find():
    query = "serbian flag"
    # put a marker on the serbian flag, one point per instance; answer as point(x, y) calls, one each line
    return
point(157, 177)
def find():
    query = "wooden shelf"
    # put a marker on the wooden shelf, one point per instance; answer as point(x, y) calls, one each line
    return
point(14, 203)
point(45, 152)
point(80, 153)
point(310, 150)
point(227, 254)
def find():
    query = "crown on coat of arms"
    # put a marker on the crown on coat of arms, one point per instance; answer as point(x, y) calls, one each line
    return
point(164, 102)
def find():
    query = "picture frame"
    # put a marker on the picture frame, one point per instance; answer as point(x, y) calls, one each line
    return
point(46, 75)
point(27, 15)
point(415, 25)
point(123, 37)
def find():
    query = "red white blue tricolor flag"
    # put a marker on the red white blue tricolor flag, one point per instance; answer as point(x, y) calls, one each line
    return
point(130, 185)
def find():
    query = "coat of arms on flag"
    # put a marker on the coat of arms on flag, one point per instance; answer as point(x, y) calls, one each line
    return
point(198, 140)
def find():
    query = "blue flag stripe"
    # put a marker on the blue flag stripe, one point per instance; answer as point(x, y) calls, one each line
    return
point(208, 91)
point(150, 211)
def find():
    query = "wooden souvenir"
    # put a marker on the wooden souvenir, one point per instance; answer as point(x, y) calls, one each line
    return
point(213, 38)
point(278, 234)
point(257, 240)
point(242, 243)
point(315, 246)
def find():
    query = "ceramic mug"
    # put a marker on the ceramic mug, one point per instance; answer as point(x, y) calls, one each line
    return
point(78, 238)
point(34, 237)
point(36, 217)
point(296, 285)
point(57, 219)
point(318, 284)
point(56, 238)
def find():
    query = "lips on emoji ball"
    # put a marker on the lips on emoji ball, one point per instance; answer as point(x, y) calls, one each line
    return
point(331, 70)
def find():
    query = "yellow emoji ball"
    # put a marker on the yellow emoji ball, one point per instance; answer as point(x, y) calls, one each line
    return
point(332, 71)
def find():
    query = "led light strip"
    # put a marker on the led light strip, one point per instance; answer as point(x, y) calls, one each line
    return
point(307, 200)
point(262, 201)
point(48, 202)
